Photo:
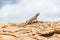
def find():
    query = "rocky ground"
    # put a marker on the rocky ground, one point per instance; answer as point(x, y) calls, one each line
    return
point(36, 31)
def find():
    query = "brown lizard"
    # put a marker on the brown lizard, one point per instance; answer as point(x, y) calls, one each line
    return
point(33, 19)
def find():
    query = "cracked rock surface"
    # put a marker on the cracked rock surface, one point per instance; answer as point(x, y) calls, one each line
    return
point(36, 31)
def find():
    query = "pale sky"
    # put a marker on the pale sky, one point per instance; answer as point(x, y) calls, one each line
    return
point(16, 11)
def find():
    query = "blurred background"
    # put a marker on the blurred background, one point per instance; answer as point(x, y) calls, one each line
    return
point(16, 11)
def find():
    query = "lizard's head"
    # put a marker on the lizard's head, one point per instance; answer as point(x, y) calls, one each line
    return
point(37, 14)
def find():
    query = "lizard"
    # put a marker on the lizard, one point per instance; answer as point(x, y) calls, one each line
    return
point(33, 19)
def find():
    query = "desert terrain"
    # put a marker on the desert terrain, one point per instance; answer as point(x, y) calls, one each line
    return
point(36, 31)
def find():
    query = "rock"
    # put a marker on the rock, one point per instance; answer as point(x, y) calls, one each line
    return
point(35, 31)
